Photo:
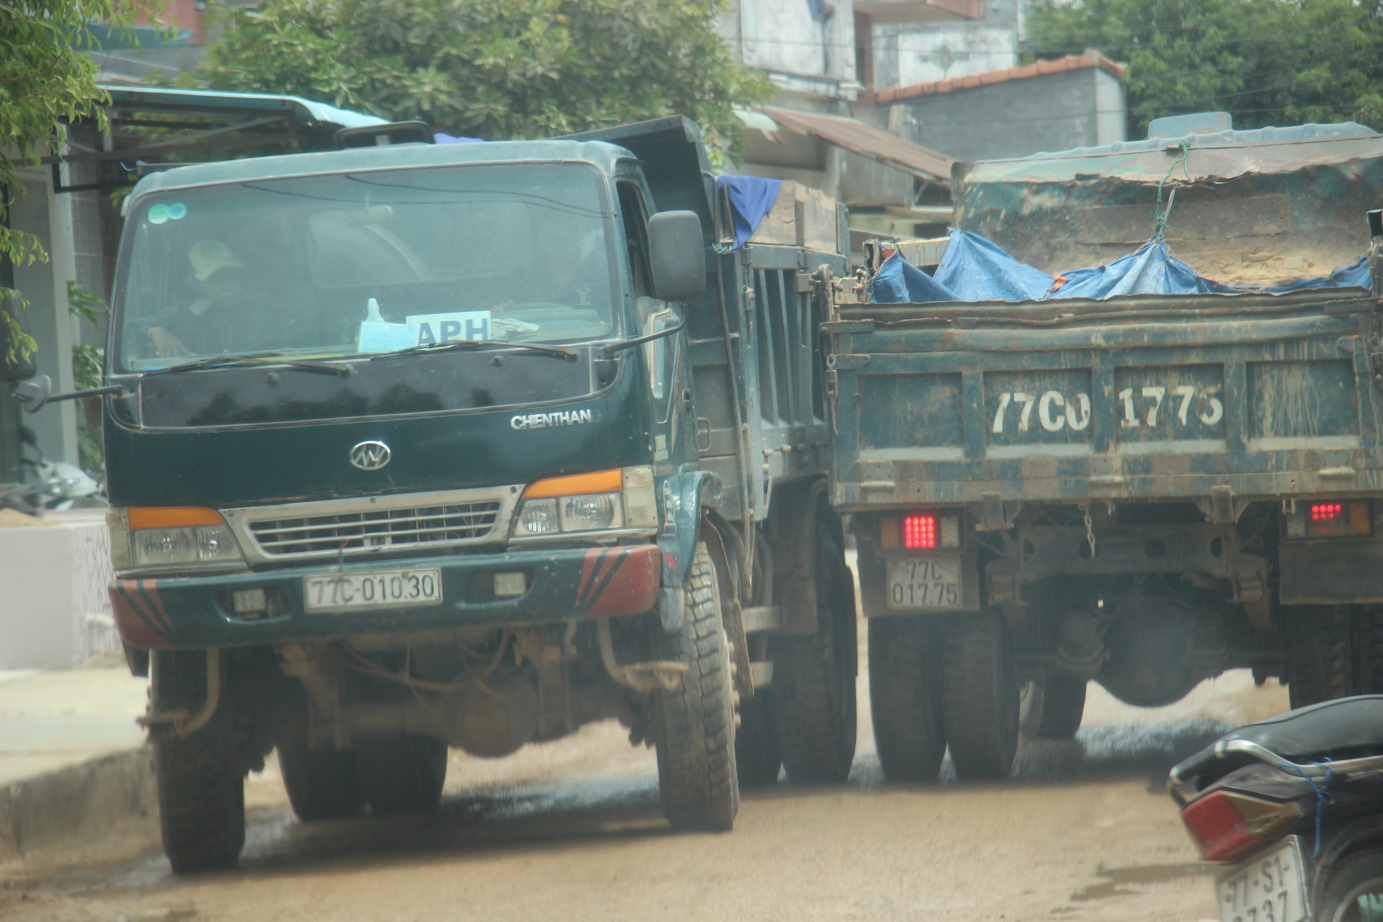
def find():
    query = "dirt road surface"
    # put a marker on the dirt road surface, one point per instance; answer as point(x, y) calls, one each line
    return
point(1083, 831)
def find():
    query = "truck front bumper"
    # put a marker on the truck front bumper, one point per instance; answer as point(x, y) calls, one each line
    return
point(199, 612)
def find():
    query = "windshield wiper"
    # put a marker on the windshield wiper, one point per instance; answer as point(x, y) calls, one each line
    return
point(452, 345)
point(253, 358)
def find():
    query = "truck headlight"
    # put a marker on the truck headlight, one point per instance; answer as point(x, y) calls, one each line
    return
point(171, 536)
point(538, 517)
point(202, 544)
point(583, 502)
point(592, 511)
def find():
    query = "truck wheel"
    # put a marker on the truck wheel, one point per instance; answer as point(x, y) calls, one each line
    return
point(1051, 708)
point(903, 698)
point(1319, 660)
point(401, 773)
point(1354, 889)
point(813, 696)
point(979, 699)
point(201, 783)
point(322, 784)
point(756, 751)
point(698, 785)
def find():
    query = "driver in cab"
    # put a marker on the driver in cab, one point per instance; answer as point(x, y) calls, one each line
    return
point(206, 324)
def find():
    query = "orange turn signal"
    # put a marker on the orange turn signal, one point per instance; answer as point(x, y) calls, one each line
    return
point(173, 516)
point(611, 481)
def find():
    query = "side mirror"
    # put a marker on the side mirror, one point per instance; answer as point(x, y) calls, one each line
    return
point(677, 251)
point(34, 393)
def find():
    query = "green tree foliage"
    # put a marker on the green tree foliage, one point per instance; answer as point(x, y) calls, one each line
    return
point(493, 69)
point(1268, 62)
point(45, 80)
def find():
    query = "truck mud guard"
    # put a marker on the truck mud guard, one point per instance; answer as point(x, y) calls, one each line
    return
point(685, 496)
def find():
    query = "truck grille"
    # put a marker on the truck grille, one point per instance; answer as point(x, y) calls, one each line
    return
point(373, 530)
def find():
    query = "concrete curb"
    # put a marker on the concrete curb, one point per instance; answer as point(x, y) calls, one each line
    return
point(76, 803)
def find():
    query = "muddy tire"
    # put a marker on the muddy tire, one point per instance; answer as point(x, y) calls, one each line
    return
point(1353, 887)
point(904, 699)
point(1052, 708)
point(757, 761)
point(201, 782)
point(322, 784)
point(401, 773)
point(979, 697)
point(698, 784)
point(1320, 660)
point(814, 708)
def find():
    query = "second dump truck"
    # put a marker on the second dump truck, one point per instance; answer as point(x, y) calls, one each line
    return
point(1137, 489)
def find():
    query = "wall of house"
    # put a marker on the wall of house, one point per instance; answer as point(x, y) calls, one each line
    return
point(908, 54)
point(44, 286)
point(1015, 118)
point(805, 46)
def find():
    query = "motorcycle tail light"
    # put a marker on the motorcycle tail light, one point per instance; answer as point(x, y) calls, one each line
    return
point(1227, 824)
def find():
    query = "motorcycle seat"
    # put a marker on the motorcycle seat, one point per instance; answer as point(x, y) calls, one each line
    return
point(1343, 728)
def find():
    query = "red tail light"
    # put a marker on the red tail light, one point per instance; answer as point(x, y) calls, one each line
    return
point(1326, 512)
point(919, 532)
point(1226, 824)
point(1349, 518)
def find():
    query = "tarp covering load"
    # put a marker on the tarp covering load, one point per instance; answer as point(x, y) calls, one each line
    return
point(1270, 209)
point(976, 269)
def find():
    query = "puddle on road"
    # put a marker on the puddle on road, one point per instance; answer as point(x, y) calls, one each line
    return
point(1116, 880)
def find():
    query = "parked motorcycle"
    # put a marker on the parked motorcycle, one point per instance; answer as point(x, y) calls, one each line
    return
point(1292, 808)
point(57, 484)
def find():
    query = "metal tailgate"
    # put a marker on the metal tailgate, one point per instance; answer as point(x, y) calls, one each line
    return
point(1137, 397)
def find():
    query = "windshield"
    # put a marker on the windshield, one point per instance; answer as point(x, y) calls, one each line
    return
point(369, 262)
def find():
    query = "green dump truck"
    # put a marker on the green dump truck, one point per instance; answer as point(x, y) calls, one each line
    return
point(418, 447)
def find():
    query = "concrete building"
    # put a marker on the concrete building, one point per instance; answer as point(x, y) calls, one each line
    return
point(1076, 101)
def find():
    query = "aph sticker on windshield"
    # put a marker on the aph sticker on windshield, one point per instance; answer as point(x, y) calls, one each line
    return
point(552, 420)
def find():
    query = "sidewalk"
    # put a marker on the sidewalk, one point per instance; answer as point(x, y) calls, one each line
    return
point(72, 759)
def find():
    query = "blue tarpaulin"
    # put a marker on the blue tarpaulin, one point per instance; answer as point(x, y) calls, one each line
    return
point(975, 269)
point(751, 199)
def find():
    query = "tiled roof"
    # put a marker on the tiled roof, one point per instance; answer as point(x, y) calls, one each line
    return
point(1038, 69)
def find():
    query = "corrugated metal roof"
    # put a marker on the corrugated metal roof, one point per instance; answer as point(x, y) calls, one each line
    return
point(1038, 69)
point(867, 141)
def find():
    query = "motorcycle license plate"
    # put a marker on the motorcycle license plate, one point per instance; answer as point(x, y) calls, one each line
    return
point(1271, 886)
point(925, 582)
point(378, 589)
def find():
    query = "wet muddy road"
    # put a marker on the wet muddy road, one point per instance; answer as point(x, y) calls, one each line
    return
point(1084, 830)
